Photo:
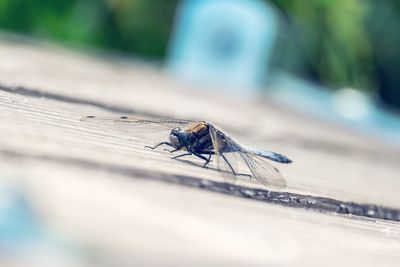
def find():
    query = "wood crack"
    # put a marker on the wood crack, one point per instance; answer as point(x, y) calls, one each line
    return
point(320, 204)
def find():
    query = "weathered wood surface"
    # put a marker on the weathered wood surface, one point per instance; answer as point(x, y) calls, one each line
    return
point(96, 183)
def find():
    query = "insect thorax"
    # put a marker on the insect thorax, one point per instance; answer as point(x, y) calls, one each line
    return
point(200, 137)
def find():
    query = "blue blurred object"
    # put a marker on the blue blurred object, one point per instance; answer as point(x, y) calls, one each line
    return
point(17, 223)
point(347, 106)
point(223, 42)
point(24, 240)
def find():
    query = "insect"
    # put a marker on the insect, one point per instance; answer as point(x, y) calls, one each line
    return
point(203, 140)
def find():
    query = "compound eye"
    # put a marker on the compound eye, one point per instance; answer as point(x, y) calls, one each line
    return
point(173, 139)
point(175, 130)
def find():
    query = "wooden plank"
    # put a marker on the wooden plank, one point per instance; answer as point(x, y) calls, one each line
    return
point(329, 161)
point(129, 221)
point(96, 182)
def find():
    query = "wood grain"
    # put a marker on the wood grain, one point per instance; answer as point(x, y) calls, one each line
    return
point(95, 182)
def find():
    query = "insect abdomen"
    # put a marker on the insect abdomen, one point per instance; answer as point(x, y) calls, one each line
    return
point(269, 155)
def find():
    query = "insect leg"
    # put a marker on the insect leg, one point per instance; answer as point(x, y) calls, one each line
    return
point(203, 158)
point(182, 155)
point(171, 151)
point(200, 156)
point(227, 162)
point(233, 171)
point(207, 161)
point(162, 143)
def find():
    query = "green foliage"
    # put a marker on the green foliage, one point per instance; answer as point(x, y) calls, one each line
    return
point(134, 26)
point(333, 40)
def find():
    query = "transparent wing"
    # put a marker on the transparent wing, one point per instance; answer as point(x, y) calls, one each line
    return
point(263, 171)
point(260, 169)
point(226, 162)
point(144, 128)
point(214, 139)
point(163, 123)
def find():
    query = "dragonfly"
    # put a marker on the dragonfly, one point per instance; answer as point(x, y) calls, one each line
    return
point(204, 140)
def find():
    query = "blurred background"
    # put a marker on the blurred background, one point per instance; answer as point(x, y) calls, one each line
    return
point(332, 43)
point(337, 59)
